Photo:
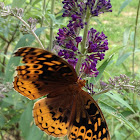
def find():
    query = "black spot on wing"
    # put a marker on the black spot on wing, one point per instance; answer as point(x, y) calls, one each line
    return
point(53, 113)
point(65, 70)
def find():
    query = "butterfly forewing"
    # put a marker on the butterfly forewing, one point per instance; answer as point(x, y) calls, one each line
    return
point(34, 89)
point(44, 65)
point(43, 73)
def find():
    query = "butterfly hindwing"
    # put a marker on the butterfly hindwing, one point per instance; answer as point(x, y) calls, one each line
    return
point(51, 115)
point(89, 122)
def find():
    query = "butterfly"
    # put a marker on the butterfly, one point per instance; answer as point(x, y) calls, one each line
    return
point(67, 109)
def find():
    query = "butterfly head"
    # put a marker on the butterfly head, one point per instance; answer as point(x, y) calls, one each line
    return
point(81, 83)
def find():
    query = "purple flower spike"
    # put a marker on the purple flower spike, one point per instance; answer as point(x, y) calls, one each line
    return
point(74, 17)
point(97, 42)
point(60, 53)
point(89, 68)
point(74, 48)
point(100, 7)
point(89, 87)
point(73, 62)
point(69, 40)
point(68, 46)
point(78, 39)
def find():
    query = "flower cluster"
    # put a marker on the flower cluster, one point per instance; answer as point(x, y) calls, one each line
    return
point(136, 84)
point(32, 24)
point(89, 88)
point(4, 88)
point(5, 10)
point(70, 41)
point(78, 8)
point(119, 83)
point(97, 44)
point(8, 11)
point(100, 7)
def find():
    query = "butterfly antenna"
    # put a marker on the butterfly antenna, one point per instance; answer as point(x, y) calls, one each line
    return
point(80, 76)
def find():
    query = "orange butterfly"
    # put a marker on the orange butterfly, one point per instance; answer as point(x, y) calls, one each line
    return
point(67, 109)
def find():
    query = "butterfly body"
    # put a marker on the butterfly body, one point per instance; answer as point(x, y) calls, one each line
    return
point(67, 109)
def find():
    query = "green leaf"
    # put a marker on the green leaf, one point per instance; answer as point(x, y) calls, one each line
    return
point(101, 70)
point(112, 111)
point(14, 119)
point(125, 3)
point(37, 1)
point(126, 112)
point(26, 124)
point(52, 16)
point(18, 3)
point(26, 40)
point(106, 107)
point(132, 36)
point(137, 50)
point(8, 100)
point(35, 133)
point(55, 21)
point(126, 35)
point(138, 104)
point(126, 122)
point(2, 120)
point(118, 135)
point(122, 58)
point(26, 119)
point(120, 100)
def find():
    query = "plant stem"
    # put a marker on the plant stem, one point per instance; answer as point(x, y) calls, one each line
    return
point(133, 56)
point(84, 41)
point(4, 39)
point(43, 12)
point(135, 35)
point(8, 45)
point(51, 26)
point(33, 33)
point(101, 92)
